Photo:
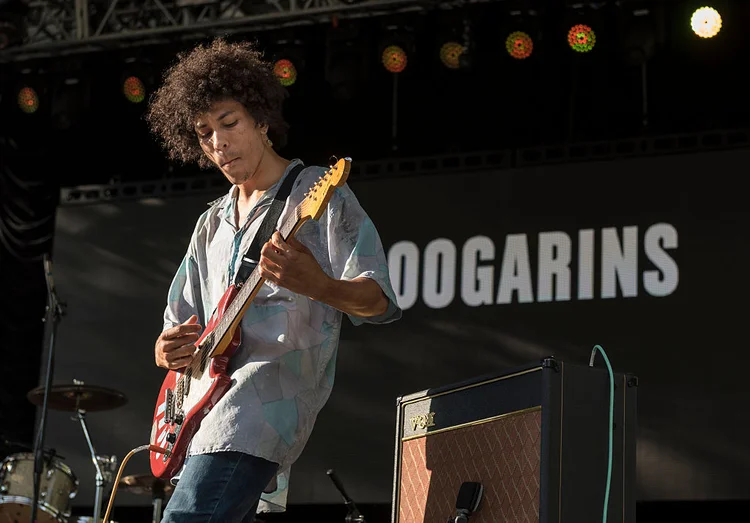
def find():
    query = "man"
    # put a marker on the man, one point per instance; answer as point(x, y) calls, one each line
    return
point(220, 105)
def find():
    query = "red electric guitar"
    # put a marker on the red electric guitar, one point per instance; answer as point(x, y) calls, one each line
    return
point(189, 394)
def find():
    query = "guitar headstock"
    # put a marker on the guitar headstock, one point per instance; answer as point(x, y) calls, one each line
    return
point(317, 198)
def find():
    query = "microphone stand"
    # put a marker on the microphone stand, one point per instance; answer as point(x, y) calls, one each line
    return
point(56, 309)
point(352, 515)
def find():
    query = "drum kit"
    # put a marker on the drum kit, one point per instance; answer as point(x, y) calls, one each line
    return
point(58, 484)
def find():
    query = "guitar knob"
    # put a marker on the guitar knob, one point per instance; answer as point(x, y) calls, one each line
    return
point(179, 419)
point(171, 437)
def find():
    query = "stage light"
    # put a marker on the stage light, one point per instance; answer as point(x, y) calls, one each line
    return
point(133, 89)
point(706, 22)
point(581, 38)
point(288, 53)
point(28, 101)
point(519, 45)
point(136, 75)
point(285, 71)
point(394, 59)
point(450, 54)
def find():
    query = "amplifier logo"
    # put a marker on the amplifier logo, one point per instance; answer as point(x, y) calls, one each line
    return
point(422, 421)
point(542, 267)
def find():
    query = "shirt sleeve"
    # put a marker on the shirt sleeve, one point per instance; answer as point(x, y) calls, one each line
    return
point(355, 250)
point(184, 296)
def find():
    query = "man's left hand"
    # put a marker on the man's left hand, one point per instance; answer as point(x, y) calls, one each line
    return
point(291, 265)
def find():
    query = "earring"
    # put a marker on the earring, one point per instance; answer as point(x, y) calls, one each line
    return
point(268, 141)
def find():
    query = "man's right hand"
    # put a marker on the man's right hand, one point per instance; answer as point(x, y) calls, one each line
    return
point(175, 346)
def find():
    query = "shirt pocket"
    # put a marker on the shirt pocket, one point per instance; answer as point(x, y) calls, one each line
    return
point(312, 235)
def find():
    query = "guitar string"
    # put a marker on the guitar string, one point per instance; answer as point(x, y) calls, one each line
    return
point(232, 308)
point(221, 325)
point(205, 354)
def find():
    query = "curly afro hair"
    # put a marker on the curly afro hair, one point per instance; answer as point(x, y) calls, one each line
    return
point(207, 74)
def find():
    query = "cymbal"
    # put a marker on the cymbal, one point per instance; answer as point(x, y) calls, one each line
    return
point(78, 397)
point(144, 484)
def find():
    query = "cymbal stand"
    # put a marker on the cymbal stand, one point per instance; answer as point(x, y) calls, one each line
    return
point(101, 476)
point(157, 493)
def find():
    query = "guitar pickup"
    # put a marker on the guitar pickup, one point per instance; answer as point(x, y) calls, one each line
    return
point(169, 411)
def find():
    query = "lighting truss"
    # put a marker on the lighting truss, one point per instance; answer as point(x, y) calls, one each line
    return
point(60, 27)
point(635, 147)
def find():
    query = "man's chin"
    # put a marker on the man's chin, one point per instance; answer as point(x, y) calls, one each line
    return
point(236, 180)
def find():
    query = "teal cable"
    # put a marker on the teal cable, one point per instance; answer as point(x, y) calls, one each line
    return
point(611, 423)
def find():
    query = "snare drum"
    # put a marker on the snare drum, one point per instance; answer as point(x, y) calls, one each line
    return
point(57, 487)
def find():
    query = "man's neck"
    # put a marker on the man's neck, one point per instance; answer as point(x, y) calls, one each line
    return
point(270, 171)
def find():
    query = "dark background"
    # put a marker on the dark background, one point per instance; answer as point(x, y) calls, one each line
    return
point(685, 347)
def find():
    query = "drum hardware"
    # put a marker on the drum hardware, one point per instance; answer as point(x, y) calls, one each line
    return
point(108, 465)
point(57, 487)
point(81, 399)
point(101, 478)
point(148, 484)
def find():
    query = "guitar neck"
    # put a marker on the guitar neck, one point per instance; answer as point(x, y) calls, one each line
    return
point(249, 289)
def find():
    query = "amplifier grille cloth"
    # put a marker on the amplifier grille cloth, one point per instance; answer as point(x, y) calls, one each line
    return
point(503, 454)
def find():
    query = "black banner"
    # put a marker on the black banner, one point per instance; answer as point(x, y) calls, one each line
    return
point(646, 257)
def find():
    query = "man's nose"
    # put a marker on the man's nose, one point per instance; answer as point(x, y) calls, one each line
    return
point(220, 141)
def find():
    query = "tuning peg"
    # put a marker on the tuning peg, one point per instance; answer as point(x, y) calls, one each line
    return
point(332, 160)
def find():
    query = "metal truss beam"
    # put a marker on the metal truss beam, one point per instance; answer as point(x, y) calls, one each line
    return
point(432, 165)
point(60, 27)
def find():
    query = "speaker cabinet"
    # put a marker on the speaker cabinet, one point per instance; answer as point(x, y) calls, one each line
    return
point(536, 437)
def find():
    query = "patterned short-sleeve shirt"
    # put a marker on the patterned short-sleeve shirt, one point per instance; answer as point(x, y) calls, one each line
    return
point(284, 369)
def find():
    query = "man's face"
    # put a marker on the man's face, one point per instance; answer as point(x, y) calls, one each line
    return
point(231, 139)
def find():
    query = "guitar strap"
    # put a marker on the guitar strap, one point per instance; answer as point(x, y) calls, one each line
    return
point(252, 257)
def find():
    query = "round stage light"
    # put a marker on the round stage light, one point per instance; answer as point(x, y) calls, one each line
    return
point(706, 22)
point(394, 59)
point(285, 71)
point(28, 101)
point(134, 90)
point(450, 54)
point(519, 45)
point(581, 38)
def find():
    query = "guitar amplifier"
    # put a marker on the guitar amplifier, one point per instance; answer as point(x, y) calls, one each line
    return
point(536, 438)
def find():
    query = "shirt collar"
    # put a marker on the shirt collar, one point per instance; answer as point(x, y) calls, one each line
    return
point(227, 201)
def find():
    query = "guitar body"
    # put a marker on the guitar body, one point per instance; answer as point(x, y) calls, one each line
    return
point(176, 422)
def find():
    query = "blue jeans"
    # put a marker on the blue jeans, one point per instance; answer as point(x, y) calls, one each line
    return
point(223, 487)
